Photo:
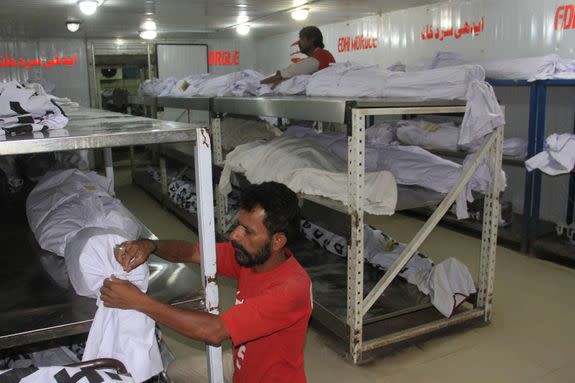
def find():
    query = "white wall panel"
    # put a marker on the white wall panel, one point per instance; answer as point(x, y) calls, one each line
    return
point(69, 82)
point(511, 29)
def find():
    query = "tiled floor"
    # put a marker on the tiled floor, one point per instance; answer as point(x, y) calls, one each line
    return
point(531, 337)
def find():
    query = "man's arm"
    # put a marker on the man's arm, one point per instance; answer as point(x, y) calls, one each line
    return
point(132, 254)
point(308, 65)
point(197, 325)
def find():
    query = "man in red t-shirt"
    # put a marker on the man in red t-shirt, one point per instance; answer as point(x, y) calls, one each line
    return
point(268, 324)
point(311, 44)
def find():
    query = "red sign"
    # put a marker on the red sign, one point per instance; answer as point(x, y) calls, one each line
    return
point(430, 33)
point(12, 62)
point(565, 17)
point(218, 58)
point(357, 43)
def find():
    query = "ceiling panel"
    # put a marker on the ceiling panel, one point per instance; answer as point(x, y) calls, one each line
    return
point(180, 18)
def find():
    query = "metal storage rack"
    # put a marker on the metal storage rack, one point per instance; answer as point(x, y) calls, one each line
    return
point(32, 309)
point(177, 151)
point(353, 113)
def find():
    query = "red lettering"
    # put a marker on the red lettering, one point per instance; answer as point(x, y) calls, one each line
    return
point(568, 17)
point(224, 58)
point(236, 58)
point(218, 58)
point(557, 15)
point(375, 42)
point(227, 58)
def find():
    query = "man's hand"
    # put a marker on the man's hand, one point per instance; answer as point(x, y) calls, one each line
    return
point(274, 80)
point(132, 254)
point(121, 294)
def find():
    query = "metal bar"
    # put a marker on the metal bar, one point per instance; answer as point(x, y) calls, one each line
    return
point(356, 172)
point(427, 328)
point(109, 163)
point(412, 110)
point(571, 195)
point(536, 204)
point(207, 241)
point(163, 178)
point(491, 214)
point(424, 232)
point(221, 200)
point(528, 193)
point(132, 161)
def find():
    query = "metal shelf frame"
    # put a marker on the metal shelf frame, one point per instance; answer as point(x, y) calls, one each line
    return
point(355, 113)
point(536, 141)
point(104, 130)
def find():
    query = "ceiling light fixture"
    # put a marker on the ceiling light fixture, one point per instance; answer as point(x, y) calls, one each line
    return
point(73, 26)
point(149, 25)
point(243, 29)
point(88, 7)
point(148, 35)
point(242, 5)
point(243, 18)
point(300, 14)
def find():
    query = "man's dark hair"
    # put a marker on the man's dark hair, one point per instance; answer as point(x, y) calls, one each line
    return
point(280, 205)
point(314, 34)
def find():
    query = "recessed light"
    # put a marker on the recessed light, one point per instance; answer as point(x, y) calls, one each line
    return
point(88, 7)
point(300, 14)
point(73, 26)
point(148, 35)
point(149, 25)
point(242, 5)
point(243, 29)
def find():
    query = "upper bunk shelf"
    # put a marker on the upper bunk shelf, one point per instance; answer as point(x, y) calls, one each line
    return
point(326, 109)
point(95, 128)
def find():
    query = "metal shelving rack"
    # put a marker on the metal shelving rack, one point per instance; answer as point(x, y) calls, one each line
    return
point(354, 113)
point(31, 312)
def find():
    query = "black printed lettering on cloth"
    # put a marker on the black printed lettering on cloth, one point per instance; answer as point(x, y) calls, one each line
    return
point(306, 224)
point(326, 243)
point(19, 129)
point(25, 119)
point(58, 106)
point(17, 374)
point(91, 376)
point(16, 107)
point(317, 234)
point(113, 376)
point(339, 248)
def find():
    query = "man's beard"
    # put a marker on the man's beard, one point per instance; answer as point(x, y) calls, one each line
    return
point(245, 259)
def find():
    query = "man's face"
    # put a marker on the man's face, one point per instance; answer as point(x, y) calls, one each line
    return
point(251, 239)
point(305, 45)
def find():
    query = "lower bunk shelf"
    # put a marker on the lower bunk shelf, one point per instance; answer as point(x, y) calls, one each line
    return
point(37, 303)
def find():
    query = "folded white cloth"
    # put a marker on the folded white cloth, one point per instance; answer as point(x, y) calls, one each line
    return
point(306, 168)
point(23, 111)
point(448, 283)
point(126, 335)
point(558, 156)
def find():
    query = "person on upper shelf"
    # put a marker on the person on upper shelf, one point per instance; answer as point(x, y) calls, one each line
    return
point(311, 44)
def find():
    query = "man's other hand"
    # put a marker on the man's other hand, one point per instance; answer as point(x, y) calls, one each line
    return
point(121, 294)
point(132, 254)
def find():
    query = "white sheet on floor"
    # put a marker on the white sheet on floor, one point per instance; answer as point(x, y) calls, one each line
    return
point(59, 374)
point(306, 168)
point(448, 284)
point(558, 156)
point(126, 335)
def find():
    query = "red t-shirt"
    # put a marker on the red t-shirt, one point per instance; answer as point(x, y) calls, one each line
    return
point(268, 324)
point(323, 56)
